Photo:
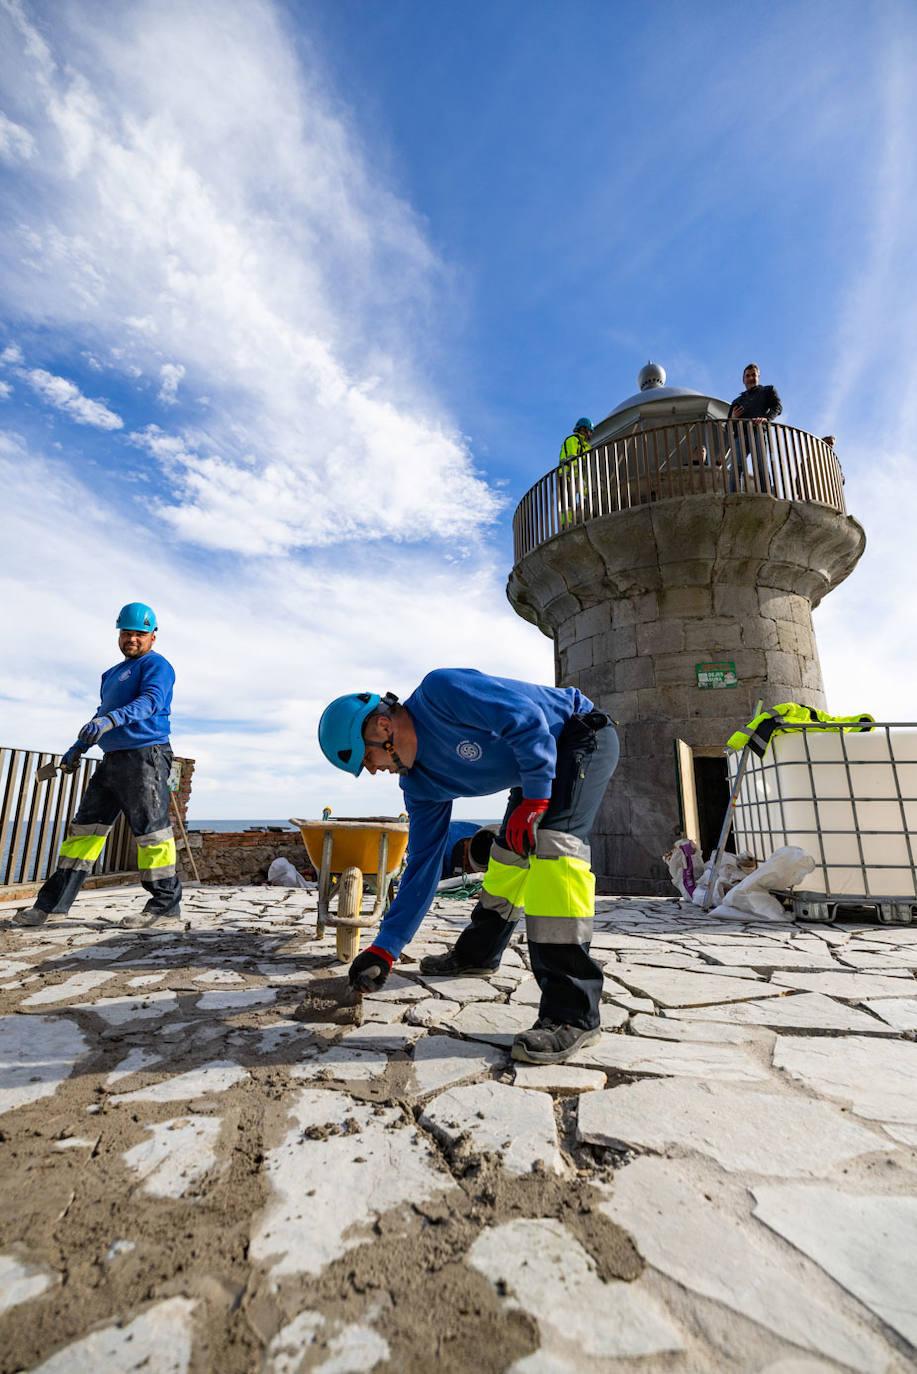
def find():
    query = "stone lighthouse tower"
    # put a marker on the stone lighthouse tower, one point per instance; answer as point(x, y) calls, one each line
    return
point(676, 568)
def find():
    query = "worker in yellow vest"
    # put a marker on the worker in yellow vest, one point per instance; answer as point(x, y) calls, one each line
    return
point(789, 715)
point(568, 470)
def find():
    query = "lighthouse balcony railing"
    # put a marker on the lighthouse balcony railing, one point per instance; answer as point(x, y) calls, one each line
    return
point(720, 457)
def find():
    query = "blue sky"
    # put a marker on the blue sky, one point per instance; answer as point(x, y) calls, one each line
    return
point(299, 299)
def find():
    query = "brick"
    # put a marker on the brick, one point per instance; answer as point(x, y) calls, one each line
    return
point(675, 668)
point(661, 637)
point(737, 602)
point(750, 664)
point(617, 644)
point(634, 673)
point(593, 621)
point(784, 669)
point(578, 656)
point(710, 638)
point(687, 601)
point(758, 633)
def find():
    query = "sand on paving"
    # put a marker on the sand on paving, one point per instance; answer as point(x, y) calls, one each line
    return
point(197, 1176)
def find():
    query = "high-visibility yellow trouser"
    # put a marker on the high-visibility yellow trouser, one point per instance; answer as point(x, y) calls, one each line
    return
point(554, 889)
point(156, 854)
point(83, 845)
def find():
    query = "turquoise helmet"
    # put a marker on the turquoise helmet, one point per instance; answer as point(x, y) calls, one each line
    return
point(340, 730)
point(137, 615)
point(582, 423)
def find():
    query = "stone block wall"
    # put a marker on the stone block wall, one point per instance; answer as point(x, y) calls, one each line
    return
point(243, 856)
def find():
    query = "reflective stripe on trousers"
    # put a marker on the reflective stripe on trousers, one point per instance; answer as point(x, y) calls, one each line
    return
point(83, 846)
point(504, 883)
point(555, 889)
point(156, 853)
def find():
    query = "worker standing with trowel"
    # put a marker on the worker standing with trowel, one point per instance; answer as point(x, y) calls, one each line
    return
point(131, 727)
point(464, 734)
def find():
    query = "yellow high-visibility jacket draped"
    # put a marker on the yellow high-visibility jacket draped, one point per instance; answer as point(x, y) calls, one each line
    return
point(789, 715)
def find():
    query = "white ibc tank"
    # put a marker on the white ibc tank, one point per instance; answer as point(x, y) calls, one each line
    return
point(848, 799)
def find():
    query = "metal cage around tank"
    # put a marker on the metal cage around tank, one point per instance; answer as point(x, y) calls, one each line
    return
point(849, 799)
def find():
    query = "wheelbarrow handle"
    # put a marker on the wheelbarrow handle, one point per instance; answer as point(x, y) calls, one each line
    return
point(324, 884)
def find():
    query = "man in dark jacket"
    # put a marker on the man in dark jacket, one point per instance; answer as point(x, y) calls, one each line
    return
point(756, 404)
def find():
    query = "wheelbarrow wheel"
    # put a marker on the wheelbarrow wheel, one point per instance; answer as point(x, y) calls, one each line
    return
point(350, 901)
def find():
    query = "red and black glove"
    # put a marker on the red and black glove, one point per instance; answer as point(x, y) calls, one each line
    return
point(523, 823)
point(370, 969)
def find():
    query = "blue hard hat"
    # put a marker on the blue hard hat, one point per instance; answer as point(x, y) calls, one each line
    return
point(340, 730)
point(582, 423)
point(137, 615)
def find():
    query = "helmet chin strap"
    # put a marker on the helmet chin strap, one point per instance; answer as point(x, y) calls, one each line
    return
point(400, 767)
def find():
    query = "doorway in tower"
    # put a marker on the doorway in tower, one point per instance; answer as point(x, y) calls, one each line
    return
point(703, 796)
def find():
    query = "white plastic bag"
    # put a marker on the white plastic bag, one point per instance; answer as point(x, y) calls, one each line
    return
point(685, 865)
point(728, 875)
point(282, 874)
point(752, 896)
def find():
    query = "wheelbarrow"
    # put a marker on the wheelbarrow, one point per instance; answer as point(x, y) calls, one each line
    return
point(343, 852)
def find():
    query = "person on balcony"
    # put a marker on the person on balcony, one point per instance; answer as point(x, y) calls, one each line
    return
point(568, 470)
point(463, 733)
point(131, 727)
point(756, 404)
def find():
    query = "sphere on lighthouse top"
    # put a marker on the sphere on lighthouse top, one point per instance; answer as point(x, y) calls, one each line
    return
point(657, 403)
point(652, 375)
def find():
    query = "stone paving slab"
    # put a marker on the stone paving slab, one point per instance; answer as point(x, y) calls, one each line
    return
point(548, 1273)
point(877, 1079)
point(859, 1240)
point(699, 1241)
point(228, 1187)
point(677, 988)
point(745, 1132)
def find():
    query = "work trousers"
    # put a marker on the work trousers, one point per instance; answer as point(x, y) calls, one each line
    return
point(749, 441)
point(555, 887)
point(135, 781)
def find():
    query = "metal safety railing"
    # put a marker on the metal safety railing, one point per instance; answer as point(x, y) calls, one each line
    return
point(34, 817)
point(706, 456)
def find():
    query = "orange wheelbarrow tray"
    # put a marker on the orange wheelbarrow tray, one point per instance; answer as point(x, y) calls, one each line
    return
point(375, 845)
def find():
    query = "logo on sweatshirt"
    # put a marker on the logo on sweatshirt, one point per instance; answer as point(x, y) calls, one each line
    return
point(122, 677)
point(469, 750)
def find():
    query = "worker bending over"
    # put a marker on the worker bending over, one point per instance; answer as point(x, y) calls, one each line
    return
point(131, 727)
point(574, 447)
point(464, 734)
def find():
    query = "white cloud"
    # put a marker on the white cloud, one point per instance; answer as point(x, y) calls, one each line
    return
point(170, 376)
point(204, 199)
point(5, 390)
point(66, 396)
point(16, 143)
point(11, 355)
point(257, 656)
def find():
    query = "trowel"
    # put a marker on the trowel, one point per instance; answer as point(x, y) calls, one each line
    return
point(46, 772)
point(332, 1001)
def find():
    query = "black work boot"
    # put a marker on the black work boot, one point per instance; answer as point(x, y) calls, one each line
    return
point(548, 1042)
point(450, 966)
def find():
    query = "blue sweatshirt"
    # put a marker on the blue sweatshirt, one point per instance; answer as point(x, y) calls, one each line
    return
point(475, 735)
point(137, 696)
